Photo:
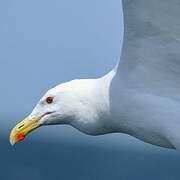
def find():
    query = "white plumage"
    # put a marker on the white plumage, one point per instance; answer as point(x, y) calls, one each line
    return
point(141, 96)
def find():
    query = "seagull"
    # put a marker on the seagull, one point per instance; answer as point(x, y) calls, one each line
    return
point(139, 97)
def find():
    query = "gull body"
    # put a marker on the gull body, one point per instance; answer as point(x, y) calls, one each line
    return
point(139, 97)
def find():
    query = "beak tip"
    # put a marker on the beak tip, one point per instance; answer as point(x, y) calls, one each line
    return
point(13, 137)
point(12, 142)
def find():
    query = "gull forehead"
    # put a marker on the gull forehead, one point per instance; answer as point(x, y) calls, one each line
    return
point(72, 86)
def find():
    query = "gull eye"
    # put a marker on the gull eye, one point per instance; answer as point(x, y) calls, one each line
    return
point(49, 100)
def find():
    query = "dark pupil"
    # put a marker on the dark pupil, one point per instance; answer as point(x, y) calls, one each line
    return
point(49, 100)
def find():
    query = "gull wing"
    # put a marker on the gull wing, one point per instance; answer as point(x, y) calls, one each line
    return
point(150, 58)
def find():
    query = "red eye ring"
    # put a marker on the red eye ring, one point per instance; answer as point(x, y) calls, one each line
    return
point(49, 100)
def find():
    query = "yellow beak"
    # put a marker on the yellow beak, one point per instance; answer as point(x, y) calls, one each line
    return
point(23, 128)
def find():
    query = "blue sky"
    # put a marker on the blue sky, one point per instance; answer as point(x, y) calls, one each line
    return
point(44, 43)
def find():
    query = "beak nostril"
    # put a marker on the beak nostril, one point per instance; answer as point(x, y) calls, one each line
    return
point(21, 126)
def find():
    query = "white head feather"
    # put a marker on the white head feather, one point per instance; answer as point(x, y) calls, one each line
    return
point(80, 103)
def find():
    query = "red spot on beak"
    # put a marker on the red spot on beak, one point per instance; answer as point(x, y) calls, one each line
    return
point(20, 137)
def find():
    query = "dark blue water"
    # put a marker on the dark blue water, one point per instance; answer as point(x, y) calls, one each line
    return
point(65, 160)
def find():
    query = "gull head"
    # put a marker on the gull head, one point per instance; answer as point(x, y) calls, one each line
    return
point(69, 103)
